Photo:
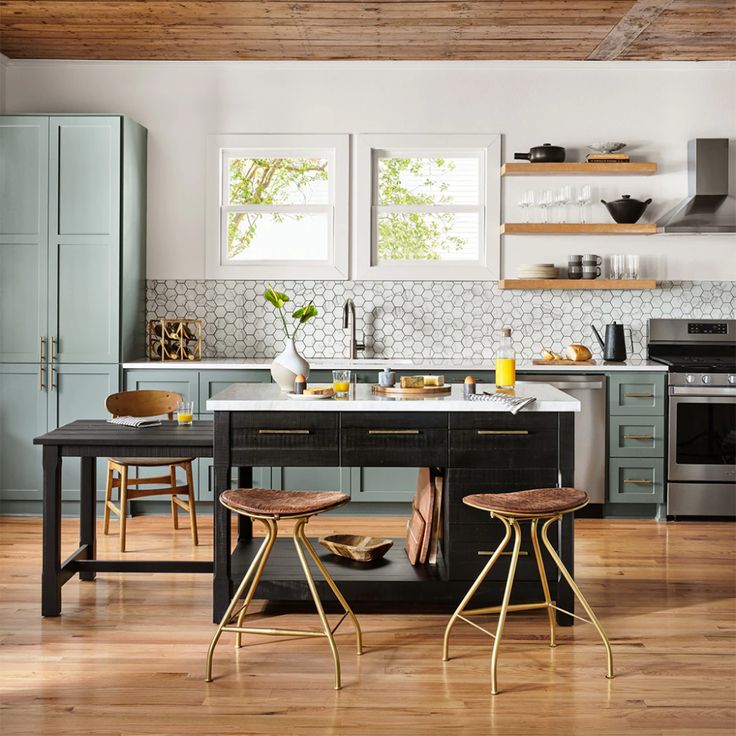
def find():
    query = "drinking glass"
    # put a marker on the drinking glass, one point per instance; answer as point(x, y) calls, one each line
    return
point(185, 413)
point(546, 201)
point(524, 203)
point(341, 383)
point(632, 267)
point(564, 196)
point(584, 197)
point(617, 267)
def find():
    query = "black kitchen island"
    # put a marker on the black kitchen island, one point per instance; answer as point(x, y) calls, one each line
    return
point(477, 447)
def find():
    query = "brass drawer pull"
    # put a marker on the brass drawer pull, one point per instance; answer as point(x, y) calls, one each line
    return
point(393, 431)
point(485, 553)
point(638, 396)
point(52, 372)
point(638, 436)
point(639, 481)
point(41, 361)
point(283, 431)
point(503, 431)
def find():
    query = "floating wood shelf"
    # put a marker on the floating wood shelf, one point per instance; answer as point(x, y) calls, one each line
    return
point(577, 284)
point(579, 168)
point(577, 228)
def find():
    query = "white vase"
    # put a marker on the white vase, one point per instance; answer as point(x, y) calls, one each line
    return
point(287, 366)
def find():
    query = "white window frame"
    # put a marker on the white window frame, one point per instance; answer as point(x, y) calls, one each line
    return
point(336, 148)
point(365, 257)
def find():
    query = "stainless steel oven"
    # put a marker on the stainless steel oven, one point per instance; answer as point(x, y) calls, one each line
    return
point(701, 454)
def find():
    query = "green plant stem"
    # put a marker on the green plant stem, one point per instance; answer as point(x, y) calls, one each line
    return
point(286, 327)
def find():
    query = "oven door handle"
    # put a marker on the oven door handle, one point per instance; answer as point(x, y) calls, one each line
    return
point(692, 392)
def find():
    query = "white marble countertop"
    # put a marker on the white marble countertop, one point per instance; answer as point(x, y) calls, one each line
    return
point(268, 397)
point(398, 364)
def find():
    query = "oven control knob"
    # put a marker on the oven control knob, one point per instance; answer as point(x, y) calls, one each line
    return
point(732, 379)
point(706, 379)
point(690, 378)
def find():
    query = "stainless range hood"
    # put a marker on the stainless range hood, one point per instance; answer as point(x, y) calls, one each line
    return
point(709, 208)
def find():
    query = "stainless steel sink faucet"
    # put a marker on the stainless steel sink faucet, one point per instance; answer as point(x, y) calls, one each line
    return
point(348, 320)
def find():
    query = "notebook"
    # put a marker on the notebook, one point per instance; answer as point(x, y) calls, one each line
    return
point(138, 422)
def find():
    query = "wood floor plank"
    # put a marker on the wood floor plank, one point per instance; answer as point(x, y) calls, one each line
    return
point(127, 655)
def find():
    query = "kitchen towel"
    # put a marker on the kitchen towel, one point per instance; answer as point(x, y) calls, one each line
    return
point(514, 404)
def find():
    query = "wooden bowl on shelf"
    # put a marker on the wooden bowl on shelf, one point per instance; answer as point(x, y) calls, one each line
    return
point(356, 547)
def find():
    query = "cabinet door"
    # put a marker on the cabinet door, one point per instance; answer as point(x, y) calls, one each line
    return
point(84, 238)
point(383, 484)
point(636, 480)
point(637, 394)
point(213, 381)
point(206, 481)
point(23, 236)
point(23, 407)
point(79, 392)
point(184, 382)
point(630, 436)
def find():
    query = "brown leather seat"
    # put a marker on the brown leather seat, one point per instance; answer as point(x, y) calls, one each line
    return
point(151, 461)
point(265, 502)
point(536, 502)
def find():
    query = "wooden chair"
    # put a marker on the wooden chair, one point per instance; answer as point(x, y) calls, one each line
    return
point(147, 404)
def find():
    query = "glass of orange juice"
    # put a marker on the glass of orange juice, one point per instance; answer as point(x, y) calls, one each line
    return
point(341, 384)
point(185, 413)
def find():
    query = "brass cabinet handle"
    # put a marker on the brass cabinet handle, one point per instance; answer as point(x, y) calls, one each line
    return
point(503, 431)
point(393, 431)
point(638, 436)
point(639, 481)
point(638, 396)
point(53, 384)
point(41, 361)
point(488, 553)
point(283, 431)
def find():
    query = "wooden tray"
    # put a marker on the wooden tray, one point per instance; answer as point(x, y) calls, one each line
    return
point(425, 391)
point(358, 548)
point(564, 361)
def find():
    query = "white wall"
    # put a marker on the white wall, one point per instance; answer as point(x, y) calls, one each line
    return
point(655, 107)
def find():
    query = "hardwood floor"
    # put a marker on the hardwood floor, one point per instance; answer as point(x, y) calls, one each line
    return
point(127, 656)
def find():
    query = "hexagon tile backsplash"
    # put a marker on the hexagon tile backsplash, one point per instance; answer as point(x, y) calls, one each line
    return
point(425, 319)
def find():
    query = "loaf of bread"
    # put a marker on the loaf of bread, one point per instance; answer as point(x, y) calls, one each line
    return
point(412, 381)
point(549, 355)
point(319, 390)
point(578, 352)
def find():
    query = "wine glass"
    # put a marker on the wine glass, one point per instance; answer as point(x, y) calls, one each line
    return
point(546, 201)
point(525, 201)
point(563, 197)
point(584, 198)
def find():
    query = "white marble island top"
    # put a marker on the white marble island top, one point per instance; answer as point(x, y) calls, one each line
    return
point(269, 397)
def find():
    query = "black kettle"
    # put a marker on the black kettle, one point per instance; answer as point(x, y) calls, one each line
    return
point(614, 346)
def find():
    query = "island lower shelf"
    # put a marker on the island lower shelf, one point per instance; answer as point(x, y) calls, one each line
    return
point(389, 580)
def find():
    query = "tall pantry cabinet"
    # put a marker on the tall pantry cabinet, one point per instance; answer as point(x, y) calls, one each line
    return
point(72, 281)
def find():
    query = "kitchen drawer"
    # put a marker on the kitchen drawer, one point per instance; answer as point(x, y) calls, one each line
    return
point(636, 480)
point(636, 436)
point(505, 441)
point(636, 394)
point(398, 439)
point(265, 438)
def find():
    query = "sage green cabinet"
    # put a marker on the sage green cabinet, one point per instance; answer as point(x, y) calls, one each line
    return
point(383, 484)
point(636, 394)
point(641, 436)
point(214, 381)
point(23, 237)
point(636, 480)
point(184, 382)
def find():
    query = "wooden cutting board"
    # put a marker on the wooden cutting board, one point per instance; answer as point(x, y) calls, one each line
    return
point(564, 361)
point(425, 391)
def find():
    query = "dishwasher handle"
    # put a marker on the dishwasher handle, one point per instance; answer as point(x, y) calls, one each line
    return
point(578, 386)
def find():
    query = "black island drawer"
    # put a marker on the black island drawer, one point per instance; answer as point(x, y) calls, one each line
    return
point(393, 439)
point(500, 440)
point(285, 439)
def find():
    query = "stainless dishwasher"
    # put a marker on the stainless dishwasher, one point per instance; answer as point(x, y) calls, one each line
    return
point(590, 427)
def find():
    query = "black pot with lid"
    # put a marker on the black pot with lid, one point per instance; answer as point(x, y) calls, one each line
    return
point(544, 154)
point(626, 211)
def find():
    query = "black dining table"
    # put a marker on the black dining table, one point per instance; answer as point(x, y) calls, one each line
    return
point(87, 440)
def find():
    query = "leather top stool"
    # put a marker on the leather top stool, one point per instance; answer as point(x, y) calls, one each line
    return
point(268, 507)
point(548, 504)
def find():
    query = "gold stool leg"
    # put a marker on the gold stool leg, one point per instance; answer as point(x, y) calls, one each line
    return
point(333, 586)
point(473, 588)
point(578, 594)
point(505, 602)
point(261, 555)
point(273, 531)
point(545, 585)
point(317, 602)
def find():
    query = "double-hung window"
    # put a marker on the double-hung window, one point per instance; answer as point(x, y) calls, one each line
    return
point(428, 207)
point(278, 206)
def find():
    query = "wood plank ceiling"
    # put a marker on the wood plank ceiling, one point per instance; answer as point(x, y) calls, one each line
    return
point(382, 29)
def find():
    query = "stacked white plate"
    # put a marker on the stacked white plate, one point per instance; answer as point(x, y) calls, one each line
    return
point(538, 271)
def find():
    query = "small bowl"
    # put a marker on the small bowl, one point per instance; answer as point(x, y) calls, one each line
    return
point(356, 547)
point(606, 147)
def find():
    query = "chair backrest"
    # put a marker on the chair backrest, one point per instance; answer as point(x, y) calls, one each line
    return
point(142, 403)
